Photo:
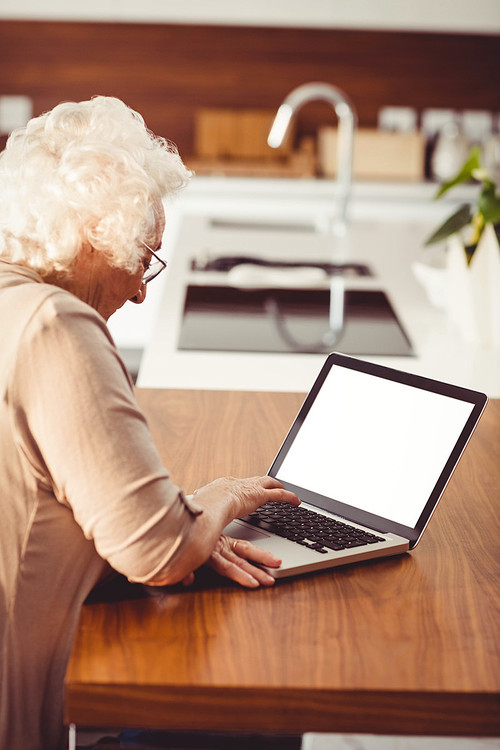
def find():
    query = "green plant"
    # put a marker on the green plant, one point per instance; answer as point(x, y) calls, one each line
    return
point(476, 215)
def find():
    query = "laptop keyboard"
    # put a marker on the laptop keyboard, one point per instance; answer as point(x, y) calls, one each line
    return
point(309, 529)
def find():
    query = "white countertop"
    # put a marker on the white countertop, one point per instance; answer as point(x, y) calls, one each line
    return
point(388, 226)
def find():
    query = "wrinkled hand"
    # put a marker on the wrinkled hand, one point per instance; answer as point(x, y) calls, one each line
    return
point(246, 495)
point(232, 558)
point(235, 498)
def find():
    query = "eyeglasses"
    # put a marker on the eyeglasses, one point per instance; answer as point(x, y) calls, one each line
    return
point(154, 268)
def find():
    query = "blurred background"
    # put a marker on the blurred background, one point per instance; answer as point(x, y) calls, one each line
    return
point(407, 67)
point(423, 78)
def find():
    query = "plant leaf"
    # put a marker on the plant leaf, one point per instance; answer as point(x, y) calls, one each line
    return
point(489, 203)
point(453, 224)
point(465, 173)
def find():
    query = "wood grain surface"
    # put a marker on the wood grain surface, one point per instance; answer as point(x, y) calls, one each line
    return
point(404, 645)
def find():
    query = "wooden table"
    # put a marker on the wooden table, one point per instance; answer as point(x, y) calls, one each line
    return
point(406, 645)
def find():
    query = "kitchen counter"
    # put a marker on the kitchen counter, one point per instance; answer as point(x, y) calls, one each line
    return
point(286, 220)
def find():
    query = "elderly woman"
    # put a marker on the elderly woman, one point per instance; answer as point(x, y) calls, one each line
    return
point(83, 486)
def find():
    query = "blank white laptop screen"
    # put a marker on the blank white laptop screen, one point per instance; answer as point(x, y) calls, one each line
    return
point(375, 444)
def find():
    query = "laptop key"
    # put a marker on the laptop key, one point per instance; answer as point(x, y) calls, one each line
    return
point(305, 527)
point(334, 546)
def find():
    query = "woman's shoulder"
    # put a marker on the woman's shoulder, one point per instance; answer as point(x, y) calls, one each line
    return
point(63, 317)
point(29, 306)
point(24, 291)
point(63, 305)
point(47, 313)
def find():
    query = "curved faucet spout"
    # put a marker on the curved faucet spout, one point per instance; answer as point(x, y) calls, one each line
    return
point(347, 118)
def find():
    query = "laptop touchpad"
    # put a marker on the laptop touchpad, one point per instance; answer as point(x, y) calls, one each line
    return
point(243, 531)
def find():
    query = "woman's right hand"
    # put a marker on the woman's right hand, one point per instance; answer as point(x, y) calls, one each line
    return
point(222, 501)
point(244, 495)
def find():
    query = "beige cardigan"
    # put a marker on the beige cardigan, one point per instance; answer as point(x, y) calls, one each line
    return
point(81, 486)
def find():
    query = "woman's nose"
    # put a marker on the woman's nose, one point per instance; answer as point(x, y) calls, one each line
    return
point(140, 296)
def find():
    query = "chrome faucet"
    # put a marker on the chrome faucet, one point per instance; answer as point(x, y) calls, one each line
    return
point(347, 118)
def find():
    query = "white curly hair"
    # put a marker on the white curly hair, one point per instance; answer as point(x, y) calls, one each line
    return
point(85, 172)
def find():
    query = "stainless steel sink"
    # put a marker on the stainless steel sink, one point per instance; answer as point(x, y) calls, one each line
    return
point(224, 318)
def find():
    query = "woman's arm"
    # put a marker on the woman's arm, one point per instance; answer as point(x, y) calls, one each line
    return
point(84, 437)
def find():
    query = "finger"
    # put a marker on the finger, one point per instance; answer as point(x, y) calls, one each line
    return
point(283, 496)
point(269, 482)
point(230, 569)
point(188, 580)
point(280, 494)
point(230, 564)
point(260, 575)
point(250, 551)
point(240, 554)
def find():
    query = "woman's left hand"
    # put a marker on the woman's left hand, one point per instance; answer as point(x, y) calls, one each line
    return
point(233, 558)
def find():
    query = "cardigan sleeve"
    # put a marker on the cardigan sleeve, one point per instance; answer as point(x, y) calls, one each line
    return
point(79, 429)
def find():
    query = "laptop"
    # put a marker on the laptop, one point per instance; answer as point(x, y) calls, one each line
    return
point(369, 454)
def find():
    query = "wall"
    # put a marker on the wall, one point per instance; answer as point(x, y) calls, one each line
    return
point(465, 16)
point(166, 71)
